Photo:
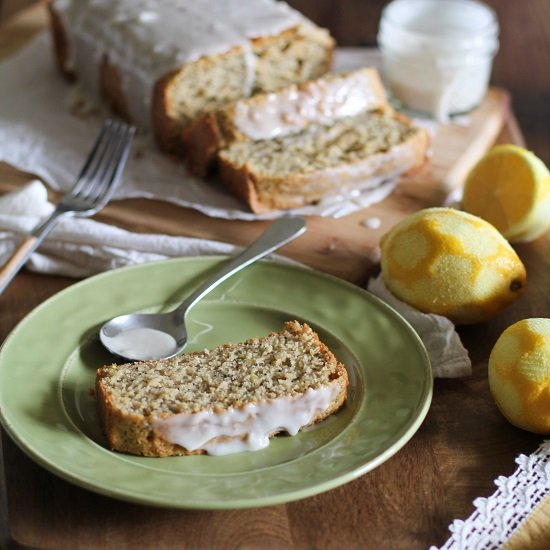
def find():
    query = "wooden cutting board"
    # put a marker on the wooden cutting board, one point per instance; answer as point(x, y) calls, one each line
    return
point(346, 247)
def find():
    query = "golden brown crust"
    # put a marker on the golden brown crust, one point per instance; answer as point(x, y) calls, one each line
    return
point(110, 81)
point(242, 183)
point(60, 42)
point(110, 85)
point(166, 129)
point(135, 433)
point(202, 139)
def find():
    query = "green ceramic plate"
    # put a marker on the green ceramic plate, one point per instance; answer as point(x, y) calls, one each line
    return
point(48, 364)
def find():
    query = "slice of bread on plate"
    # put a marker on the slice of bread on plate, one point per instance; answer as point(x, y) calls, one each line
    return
point(229, 399)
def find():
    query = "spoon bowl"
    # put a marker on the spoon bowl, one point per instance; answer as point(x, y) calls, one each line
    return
point(144, 336)
point(152, 336)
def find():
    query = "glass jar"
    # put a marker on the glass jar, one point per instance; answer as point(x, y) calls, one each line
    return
point(437, 54)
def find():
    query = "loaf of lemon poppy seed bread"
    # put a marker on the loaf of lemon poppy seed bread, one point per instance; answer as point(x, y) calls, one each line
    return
point(161, 63)
point(230, 399)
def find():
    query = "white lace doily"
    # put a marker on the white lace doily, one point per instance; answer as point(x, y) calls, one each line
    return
point(498, 516)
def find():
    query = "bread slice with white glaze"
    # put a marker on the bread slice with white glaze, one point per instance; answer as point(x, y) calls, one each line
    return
point(303, 168)
point(284, 112)
point(232, 398)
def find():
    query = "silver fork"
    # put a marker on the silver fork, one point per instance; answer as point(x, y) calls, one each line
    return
point(93, 189)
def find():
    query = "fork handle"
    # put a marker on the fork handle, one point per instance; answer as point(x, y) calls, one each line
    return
point(29, 244)
point(17, 260)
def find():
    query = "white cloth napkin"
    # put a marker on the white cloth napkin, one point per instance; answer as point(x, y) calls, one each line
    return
point(449, 358)
point(47, 127)
point(79, 247)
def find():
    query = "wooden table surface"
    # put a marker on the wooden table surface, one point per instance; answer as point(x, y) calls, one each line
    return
point(408, 501)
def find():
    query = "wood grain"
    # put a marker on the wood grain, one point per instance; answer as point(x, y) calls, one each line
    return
point(407, 502)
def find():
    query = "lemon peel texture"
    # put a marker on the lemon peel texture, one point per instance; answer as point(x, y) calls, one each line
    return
point(519, 374)
point(449, 262)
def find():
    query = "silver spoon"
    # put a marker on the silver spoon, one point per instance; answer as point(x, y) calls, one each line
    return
point(149, 336)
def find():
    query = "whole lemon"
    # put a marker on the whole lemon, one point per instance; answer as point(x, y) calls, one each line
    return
point(449, 262)
point(519, 374)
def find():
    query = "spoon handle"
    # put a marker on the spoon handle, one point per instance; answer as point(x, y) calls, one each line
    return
point(279, 233)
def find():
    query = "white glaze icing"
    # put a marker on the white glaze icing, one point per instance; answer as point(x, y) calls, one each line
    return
point(148, 39)
point(247, 428)
point(320, 102)
point(141, 344)
point(372, 222)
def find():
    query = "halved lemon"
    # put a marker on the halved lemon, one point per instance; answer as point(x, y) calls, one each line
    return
point(510, 188)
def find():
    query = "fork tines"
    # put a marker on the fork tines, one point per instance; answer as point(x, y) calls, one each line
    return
point(105, 163)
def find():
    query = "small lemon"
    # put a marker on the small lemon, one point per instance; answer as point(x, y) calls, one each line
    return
point(445, 261)
point(510, 188)
point(519, 374)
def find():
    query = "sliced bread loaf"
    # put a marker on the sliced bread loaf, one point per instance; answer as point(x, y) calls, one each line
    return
point(163, 63)
point(285, 112)
point(321, 160)
point(229, 399)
